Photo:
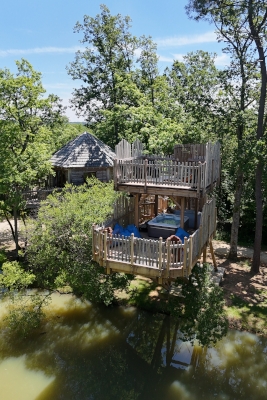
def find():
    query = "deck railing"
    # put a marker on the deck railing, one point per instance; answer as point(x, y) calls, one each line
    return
point(191, 166)
point(151, 257)
point(160, 173)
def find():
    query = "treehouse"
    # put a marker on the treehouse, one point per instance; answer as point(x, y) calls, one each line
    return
point(167, 217)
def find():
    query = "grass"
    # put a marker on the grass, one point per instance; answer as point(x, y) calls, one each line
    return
point(249, 316)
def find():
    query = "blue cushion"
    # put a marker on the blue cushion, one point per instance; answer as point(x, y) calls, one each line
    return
point(181, 233)
point(117, 229)
point(133, 229)
point(124, 232)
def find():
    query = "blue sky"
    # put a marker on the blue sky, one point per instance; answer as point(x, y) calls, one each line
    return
point(42, 32)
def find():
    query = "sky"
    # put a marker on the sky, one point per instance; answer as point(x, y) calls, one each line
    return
point(42, 32)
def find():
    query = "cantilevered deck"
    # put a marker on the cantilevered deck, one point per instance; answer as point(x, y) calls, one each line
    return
point(154, 258)
point(191, 173)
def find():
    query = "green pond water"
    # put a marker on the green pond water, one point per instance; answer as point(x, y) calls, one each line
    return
point(88, 352)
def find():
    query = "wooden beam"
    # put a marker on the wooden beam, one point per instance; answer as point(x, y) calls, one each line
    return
point(156, 204)
point(175, 202)
point(156, 189)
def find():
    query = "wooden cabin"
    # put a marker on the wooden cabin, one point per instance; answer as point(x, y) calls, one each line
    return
point(187, 179)
point(82, 157)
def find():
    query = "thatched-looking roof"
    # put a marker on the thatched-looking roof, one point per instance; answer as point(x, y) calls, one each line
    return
point(85, 151)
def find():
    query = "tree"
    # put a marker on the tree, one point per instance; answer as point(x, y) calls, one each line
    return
point(194, 85)
point(60, 242)
point(26, 119)
point(102, 66)
point(25, 307)
point(202, 308)
point(242, 25)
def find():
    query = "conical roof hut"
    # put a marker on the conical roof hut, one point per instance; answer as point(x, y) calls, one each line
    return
point(83, 157)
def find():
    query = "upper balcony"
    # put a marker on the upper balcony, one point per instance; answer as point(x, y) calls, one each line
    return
point(192, 171)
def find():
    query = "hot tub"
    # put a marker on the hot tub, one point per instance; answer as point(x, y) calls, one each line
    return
point(165, 225)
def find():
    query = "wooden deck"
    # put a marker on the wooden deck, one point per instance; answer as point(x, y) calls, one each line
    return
point(191, 177)
point(156, 259)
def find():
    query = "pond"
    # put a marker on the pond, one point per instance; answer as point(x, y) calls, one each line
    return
point(88, 352)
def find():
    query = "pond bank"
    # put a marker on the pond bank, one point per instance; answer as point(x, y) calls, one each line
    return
point(245, 295)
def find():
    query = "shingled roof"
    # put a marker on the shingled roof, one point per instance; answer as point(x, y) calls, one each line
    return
point(85, 151)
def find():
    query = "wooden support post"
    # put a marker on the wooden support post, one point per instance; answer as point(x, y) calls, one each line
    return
point(156, 205)
point(190, 254)
point(199, 176)
point(160, 253)
point(200, 241)
point(182, 212)
point(168, 242)
point(132, 249)
point(205, 254)
point(105, 248)
point(136, 210)
point(213, 256)
point(185, 257)
point(196, 213)
point(175, 200)
point(100, 248)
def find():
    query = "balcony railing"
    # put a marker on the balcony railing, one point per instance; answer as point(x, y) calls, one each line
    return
point(151, 257)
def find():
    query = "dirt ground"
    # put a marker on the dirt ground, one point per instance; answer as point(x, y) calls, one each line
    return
point(238, 280)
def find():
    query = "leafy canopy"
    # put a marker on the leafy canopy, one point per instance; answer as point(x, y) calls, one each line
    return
point(60, 241)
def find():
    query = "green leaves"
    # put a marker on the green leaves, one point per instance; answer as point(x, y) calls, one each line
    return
point(26, 120)
point(14, 277)
point(60, 249)
point(203, 308)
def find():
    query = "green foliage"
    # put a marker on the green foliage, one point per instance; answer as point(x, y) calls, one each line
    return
point(26, 120)
point(26, 312)
point(3, 258)
point(60, 249)
point(14, 277)
point(107, 59)
point(202, 308)
point(25, 308)
point(64, 133)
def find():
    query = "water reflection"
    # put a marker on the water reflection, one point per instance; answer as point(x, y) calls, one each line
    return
point(85, 352)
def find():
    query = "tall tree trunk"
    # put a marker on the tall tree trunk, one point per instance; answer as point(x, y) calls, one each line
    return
point(259, 218)
point(236, 214)
point(10, 225)
point(255, 268)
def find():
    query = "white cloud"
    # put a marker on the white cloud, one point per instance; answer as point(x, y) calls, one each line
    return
point(70, 112)
point(222, 60)
point(40, 50)
point(208, 37)
point(165, 59)
point(179, 57)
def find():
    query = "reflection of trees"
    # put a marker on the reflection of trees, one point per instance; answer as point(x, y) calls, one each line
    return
point(99, 353)
point(202, 309)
